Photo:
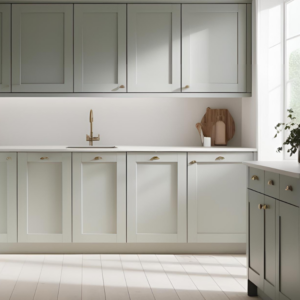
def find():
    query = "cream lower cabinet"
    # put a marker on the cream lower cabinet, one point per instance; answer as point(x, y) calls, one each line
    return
point(8, 198)
point(44, 197)
point(99, 197)
point(217, 184)
point(156, 198)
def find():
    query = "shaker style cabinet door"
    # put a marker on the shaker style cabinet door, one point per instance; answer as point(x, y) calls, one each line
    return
point(5, 48)
point(99, 197)
point(156, 198)
point(42, 48)
point(214, 48)
point(100, 48)
point(217, 185)
point(154, 48)
point(8, 198)
point(44, 197)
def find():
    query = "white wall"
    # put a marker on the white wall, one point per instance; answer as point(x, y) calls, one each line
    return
point(153, 122)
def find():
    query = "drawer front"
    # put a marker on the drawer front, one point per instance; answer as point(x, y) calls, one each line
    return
point(289, 190)
point(256, 180)
point(221, 157)
point(272, 184)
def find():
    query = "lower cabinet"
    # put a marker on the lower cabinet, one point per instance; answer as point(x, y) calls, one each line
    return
point(156, 198)
point(99, 197)
point(8, 197)
point(44, 197)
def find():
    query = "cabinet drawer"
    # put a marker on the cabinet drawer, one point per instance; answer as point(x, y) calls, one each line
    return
point(221, 157)
point(272, 184)
point(256, 180)
point(289, 190)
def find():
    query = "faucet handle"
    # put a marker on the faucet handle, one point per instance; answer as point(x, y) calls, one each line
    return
point(96, 138)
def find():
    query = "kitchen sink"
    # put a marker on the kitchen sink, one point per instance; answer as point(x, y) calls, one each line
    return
point(92, 147)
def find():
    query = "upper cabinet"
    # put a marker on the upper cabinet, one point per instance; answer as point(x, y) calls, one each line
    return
point(154, 48)
point(100, 48)
point(5, 48)
point(214, 48)
point(42, 48)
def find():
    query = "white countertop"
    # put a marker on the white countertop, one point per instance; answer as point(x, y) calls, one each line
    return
point(288, 168)
point(122, 149)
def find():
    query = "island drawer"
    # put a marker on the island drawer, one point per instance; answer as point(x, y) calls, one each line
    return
point(289, 190)
point(272, 184)
point(256, 180)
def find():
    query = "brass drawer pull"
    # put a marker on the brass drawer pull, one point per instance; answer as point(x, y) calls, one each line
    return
point(220, 158)
point(254, 177)
point(266, 206)
point(122, 86)
point(44, 157)
point(8, 158)
point(289, 188)
point(186, 87)
point(260, 206)
point(97, 158)
point(154, 158)
point(193, 162)
point(270, 182)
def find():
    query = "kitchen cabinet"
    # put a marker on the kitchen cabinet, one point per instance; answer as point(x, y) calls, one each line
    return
point(44, 197)
point(100, 48)
point(42, 48)
point(99, 197)
point(156, 198)
point(154, 48)
point(5, 41)
point(214, 48)
point(217, 184)
point(8, 197)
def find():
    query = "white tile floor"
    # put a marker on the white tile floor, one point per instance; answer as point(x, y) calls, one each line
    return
point(117, 277)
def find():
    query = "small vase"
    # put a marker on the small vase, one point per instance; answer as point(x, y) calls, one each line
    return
point(299, 154)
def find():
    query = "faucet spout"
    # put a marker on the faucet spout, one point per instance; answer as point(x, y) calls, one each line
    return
point(90, 138)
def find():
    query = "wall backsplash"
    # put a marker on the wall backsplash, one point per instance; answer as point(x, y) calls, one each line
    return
point(119, 121)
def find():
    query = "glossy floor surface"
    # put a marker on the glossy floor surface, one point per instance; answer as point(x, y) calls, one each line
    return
point(117, 277)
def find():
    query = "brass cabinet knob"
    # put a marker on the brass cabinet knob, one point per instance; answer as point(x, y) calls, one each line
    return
point(122, 86)
point(220, 158)
point(289, 188)
point(154, 158)
point(270, 182)
point(193, 162)
point(97, 158)
point(43, 158)
point(254, 177)
point(266, 206)
point(260, 206)
point(186, 87)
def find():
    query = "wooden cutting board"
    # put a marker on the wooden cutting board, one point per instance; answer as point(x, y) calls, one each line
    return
point(209, 120)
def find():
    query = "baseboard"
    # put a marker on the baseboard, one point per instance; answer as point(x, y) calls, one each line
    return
point(262, 295)
point(36, 248)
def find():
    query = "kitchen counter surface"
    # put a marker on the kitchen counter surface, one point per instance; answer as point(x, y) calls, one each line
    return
point(122, 149)
point(288, 168)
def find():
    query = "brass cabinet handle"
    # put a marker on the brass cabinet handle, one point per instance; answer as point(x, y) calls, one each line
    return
point(254, 177)
point(154, 158)
point(266, 206)
point(8, 158)
point(260, 206)
point(97, 158)
point(289, 188)
point(44, 157)
point(220, 158)
point(186, 87)
point(193, 162)
point(270, 182)
point(122, 86)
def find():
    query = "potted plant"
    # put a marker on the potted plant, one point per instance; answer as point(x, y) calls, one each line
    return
point(293, 139)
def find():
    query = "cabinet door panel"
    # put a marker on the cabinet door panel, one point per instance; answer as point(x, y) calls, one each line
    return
point(154, 48)
point(289, 251)
point(156, 197)
point(42, 48)
point(5, 67)
point(100, 47)
point(99, 197)
point(44, 192)
point(214, 48)
point(8, 198)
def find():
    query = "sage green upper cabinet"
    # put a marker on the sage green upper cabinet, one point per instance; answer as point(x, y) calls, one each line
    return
point(42, 48)
point(154, 48)
point(214, 42)
point(100, 48)
point(5, 48)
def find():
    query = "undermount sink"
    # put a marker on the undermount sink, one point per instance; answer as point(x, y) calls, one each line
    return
point(92, 147)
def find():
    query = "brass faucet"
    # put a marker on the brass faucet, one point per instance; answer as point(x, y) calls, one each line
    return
point(90, 137)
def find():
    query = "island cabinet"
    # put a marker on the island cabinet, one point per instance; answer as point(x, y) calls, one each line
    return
point(44, 197)
point(8, 197)
point(99, 197)
point(217, 185)
point(273, 235)
point(156, 198)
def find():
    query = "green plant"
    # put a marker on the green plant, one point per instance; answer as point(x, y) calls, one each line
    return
point(293, 127)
